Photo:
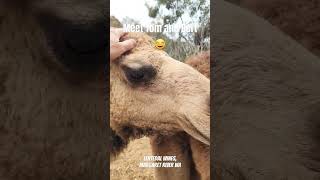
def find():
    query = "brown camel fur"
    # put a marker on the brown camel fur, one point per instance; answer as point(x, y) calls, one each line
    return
point(299, 19)
point(266, 100)
point(51, 107)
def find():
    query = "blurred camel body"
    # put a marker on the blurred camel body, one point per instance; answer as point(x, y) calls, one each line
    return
point(266, 100)
point(51, 95)
point(299, 19)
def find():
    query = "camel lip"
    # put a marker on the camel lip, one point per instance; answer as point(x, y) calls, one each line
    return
point(196, 124)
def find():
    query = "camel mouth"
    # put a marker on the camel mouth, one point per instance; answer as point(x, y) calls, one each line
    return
point(202, 134)
point(117, 143)
point(195, 121)
point(123, 135)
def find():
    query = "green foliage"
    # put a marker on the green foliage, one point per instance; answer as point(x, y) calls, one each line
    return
point(114, 22)
point(174, 12)
point(153, 11)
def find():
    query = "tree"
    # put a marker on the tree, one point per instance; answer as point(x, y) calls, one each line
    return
point(185, 12)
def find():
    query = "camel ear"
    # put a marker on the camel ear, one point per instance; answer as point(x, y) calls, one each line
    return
point(196, 125)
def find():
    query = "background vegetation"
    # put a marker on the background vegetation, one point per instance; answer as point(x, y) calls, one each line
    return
point(179, 45)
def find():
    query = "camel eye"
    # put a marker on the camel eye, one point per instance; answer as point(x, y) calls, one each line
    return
point(139, 74)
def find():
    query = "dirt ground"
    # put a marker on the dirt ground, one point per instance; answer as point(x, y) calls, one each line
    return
point(126, 165)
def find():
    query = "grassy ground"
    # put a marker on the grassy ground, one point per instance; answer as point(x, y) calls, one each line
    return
point(126, 165)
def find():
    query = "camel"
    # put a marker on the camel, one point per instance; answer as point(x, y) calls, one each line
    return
point(164, 99)
point(51, 92)
point(179, 144)
point(266, 100)
point(201, 62)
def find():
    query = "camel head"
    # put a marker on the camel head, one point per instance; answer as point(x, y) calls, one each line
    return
point(156, 93)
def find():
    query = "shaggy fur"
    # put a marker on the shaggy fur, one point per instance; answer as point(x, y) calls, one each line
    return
point(200, 62)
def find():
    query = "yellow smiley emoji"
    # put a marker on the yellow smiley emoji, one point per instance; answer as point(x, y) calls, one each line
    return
point(160, 44)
